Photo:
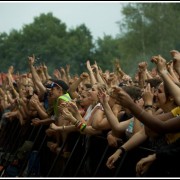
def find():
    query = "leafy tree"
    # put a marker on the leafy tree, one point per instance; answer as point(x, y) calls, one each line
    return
point(47, 37)
point(107, 50)
point(149, 29)
point(79, 47)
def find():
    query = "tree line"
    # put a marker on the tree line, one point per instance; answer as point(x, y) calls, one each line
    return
point(147, 29)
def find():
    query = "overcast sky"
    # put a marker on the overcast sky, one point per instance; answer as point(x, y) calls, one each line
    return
point(99, 17)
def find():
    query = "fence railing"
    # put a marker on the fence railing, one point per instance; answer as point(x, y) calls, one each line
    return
point(86, 157)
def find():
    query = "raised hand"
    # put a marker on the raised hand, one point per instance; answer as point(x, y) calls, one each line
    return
point(84, 75)
point(124, 99)
point(142, 66)
point(140, 102)
point(72, 107)
point(68, 116)
point(11, 70)
point(148, 95)
point(68, 68)
point(31, 59)
point(176, 60)
point(103, 96)
point(88, 65)
point(62, 71)
point(160, 63)
point(57, 74)
point(170, 65)
point(44, 67)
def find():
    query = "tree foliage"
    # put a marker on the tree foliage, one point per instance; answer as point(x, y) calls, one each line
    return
point(147, 29)
point(48, 38)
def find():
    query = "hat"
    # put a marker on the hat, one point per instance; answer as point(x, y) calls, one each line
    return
point(56, 83)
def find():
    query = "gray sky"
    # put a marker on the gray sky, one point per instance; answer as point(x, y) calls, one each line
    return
point(99, 17)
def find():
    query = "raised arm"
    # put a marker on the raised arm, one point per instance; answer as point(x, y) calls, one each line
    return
point(45, 69)
point(172, 87)
point(98, 76)
point(172, 124)
point(35, 76)
point(176, 60)
point(73, 87)
point(92, 77)
point(117, 128)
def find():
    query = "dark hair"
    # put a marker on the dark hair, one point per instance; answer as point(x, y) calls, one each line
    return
point(87, 85)
point(133, 91)
point(155, 82)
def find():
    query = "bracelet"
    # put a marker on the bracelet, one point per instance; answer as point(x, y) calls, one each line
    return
point(122, 150)
point(76, 122)
point(82, 127)
point(148, 106)
point(79, 125)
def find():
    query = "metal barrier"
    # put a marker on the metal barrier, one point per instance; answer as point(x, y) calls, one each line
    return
point(69, 161)
point(87, 157)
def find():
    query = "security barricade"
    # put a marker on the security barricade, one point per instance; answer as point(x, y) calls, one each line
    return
point(86, 156)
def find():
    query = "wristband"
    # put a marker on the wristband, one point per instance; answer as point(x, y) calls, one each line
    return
point(148, 106)
point(122, 150)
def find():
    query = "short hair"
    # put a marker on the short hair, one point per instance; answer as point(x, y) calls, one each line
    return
point(154, 82)
point(133, 91)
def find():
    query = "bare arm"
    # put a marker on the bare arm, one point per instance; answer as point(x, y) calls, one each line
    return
point(40, 110)
point(132, 143)
point(38, 122)
point(72, 89)
point(45, 69)
point(172, 87)
point(98, 76)
point(117, 128)
point(171, 125)
point(36, 78)
point(92, 77)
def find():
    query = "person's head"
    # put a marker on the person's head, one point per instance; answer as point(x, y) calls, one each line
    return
point(163, 98)
point(22, 91)
point(134, 92)
point(29, 91)
point(84, 87)
point(93, 92)
point(84, 100)
point(57, 88)
point(154, 82)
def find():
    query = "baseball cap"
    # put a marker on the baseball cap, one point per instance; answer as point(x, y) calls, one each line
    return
point(56, 83)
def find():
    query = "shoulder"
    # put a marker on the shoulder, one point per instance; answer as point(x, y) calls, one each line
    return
point(98, 107)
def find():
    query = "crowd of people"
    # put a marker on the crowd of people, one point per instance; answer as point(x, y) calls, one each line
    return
point(127, 111)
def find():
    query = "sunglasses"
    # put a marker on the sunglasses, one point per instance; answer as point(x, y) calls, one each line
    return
point(53, 84)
